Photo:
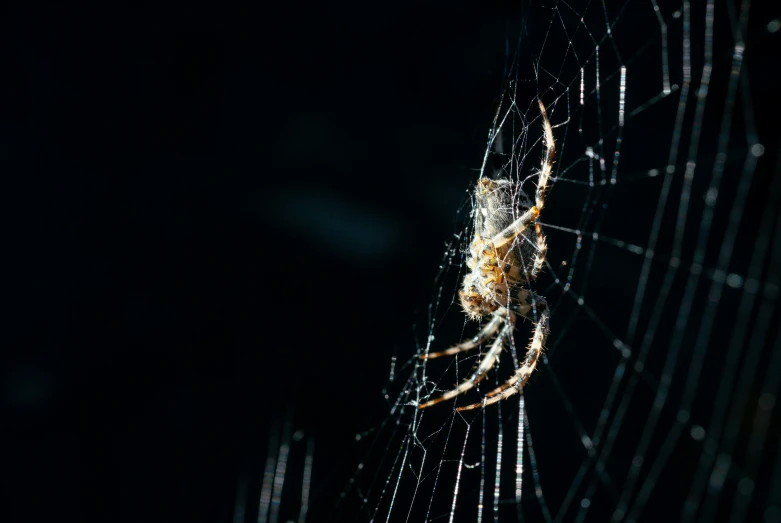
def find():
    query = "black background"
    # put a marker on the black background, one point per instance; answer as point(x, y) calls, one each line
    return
point(219, 215)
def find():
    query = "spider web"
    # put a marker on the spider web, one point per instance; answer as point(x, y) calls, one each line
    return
point(656, 393)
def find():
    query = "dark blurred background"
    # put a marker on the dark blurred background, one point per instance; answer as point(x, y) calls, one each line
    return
point(219, 217)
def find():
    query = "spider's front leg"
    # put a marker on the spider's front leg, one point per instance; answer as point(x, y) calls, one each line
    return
point(518, 380)
point(516, 228)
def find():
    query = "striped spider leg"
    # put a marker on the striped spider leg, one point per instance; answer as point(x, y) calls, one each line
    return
point(503, 262)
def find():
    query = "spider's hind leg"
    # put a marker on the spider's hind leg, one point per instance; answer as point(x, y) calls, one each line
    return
point(521, 376)
point(526, 303)
point(488, 330)
point(486, 364)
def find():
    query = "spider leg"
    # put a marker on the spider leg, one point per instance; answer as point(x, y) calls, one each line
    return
point(526, 303)
point(518, 380)
point(542, 248)
point(547, 162)
point(485, 333)
point(516, 228)
point(486, 364)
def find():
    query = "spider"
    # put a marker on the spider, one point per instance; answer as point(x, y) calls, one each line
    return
point(503, 261)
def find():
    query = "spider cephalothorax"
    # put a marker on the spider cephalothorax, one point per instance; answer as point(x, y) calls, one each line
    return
point(504, 257)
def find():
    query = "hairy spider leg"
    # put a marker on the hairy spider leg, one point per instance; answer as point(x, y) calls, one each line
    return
point(547, 161)
point(542, 249)
point(518, 380)
point(485, 333)
point(516, 228)
point(485, 365)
